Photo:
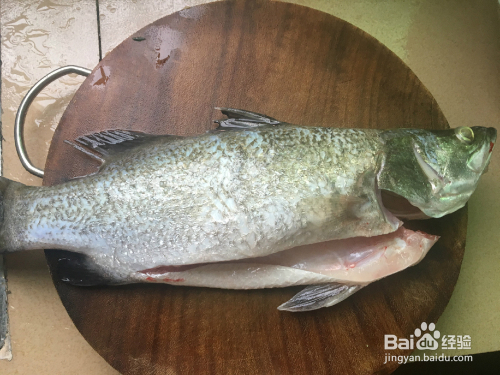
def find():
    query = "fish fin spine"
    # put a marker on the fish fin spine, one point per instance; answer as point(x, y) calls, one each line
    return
point(317, 296)
point(111, 142)
point(240, 119)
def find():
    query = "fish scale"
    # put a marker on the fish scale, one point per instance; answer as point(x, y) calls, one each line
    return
point(252, 188)
point(152, 199)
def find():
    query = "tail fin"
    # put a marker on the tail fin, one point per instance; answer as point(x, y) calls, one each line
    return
point(7, 189)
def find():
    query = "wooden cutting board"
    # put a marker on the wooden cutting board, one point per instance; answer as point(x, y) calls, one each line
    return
point(292, 63)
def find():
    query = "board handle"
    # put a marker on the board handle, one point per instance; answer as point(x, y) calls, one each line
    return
point(23, 110)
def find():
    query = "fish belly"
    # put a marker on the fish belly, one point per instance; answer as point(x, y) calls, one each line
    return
point(354, 261)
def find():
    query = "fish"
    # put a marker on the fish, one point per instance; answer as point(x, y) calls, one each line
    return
point(254, 203)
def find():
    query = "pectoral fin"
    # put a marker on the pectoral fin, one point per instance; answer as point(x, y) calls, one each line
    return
point(317, 296)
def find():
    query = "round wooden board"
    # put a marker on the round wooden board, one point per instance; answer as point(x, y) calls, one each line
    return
point(292, 63)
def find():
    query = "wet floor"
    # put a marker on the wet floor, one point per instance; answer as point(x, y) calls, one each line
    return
point(452, 47)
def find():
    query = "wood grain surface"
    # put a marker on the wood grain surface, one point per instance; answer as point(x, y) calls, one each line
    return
point(292, 63)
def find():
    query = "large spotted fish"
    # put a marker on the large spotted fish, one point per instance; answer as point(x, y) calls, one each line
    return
point(257, 203)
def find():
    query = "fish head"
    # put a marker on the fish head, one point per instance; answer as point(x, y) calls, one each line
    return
point(435, 170)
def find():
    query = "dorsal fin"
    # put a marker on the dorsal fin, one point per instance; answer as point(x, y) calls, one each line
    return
point(110, 142)
point(241, 119)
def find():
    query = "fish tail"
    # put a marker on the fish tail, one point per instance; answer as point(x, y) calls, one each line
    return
point(8, 190)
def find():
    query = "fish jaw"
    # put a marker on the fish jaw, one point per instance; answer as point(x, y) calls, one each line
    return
point(354, 261)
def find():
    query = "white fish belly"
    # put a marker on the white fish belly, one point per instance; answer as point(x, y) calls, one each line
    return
point(352, 261)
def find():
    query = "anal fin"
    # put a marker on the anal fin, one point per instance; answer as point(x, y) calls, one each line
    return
point(78, 269)
point(317, 296)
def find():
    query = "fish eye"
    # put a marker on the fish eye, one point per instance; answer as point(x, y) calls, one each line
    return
point(465, 134)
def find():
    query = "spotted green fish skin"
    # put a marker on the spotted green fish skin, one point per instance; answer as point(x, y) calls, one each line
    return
point(215, 197)
point(234, 194)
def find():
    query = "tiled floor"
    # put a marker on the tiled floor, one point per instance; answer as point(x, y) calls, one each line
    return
point(452, 46)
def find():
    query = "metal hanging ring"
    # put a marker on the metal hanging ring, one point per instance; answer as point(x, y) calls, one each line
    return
point(23, 110)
